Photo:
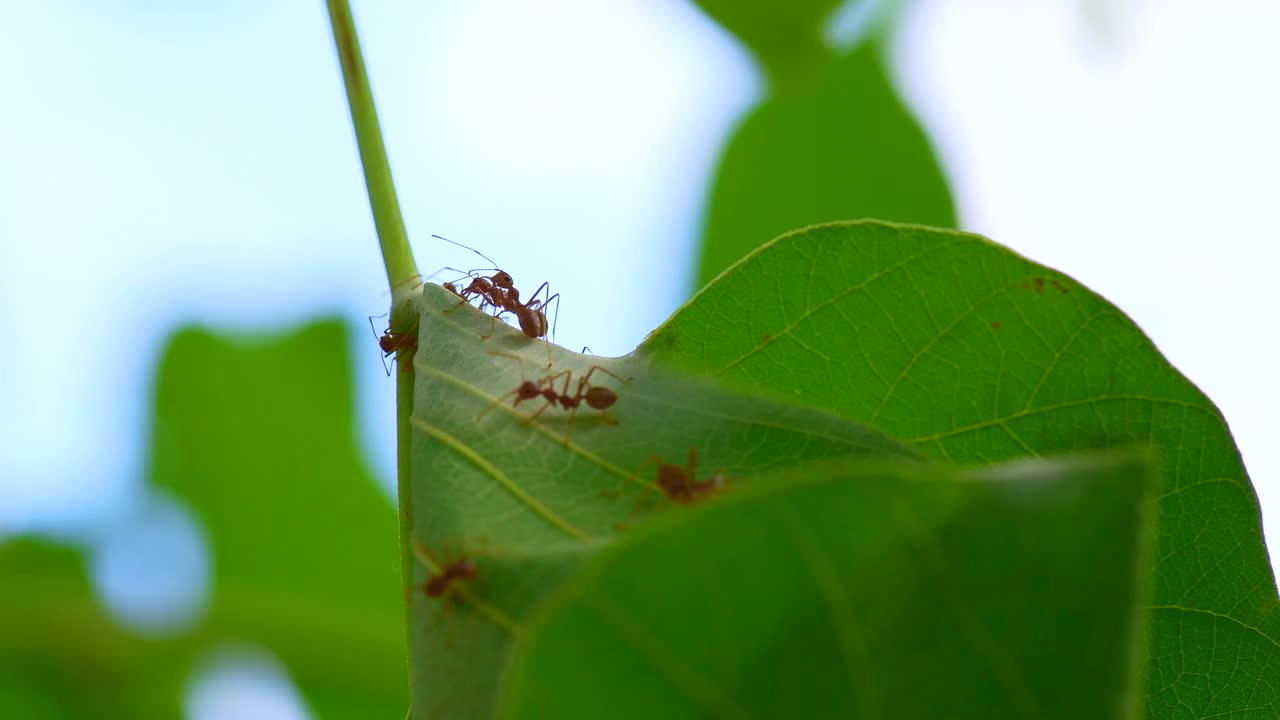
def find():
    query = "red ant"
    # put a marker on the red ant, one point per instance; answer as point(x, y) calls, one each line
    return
point(438, 584)
point(499, 292)
point(448, 575)
point(680, 484)
point(491, 290)
point(393, 342)
point(597, 397)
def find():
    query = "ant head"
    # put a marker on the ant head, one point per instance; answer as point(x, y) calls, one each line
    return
point(528, 390)
point(441, 582)
point(503, 279)
point(672, 479)
point(388, 342)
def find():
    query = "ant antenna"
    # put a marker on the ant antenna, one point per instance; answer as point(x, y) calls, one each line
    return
point(378, 337)
point(468, 247)
point(373, 329)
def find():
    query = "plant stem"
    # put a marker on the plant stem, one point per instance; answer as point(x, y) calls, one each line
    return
point(396, 254)
point(397, 258)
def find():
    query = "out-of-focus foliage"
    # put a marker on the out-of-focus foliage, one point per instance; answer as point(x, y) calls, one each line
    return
point(831, 141)
point(256, 436)
point(62, 656)
point(780, 35)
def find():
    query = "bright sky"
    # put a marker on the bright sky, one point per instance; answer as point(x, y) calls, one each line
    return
point(161, 164)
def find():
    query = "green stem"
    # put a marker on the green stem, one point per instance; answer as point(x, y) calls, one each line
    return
point(397, 257)
point(396, 254)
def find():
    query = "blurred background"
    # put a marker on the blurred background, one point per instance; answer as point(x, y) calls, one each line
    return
point(183, 226)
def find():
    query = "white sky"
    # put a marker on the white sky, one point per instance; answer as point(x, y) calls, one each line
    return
point(161, 165)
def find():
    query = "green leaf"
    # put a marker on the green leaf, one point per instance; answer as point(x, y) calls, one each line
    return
point(256, 436)
point(861, 589)
point(526, 508)
point(780, 34)
point(839, 145)
point(974, 354)
point(61, 654)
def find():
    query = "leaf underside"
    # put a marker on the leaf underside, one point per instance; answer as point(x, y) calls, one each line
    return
point(861, 589)
point(526, 508)
point(974, 354)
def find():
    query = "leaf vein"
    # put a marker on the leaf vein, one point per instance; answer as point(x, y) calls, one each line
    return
point(506, 482)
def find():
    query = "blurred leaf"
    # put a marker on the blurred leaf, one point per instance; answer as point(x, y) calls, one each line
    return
point(257, 436)
point(975, 354)
point(833, 142)
point(780, 34)
point(526, 508)
point(861, 589)
point(61, 654)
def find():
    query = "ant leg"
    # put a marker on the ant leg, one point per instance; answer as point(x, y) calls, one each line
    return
point(529, 420)
point(577, 403)
point(496, 403)
point(513, 356)
point(550, 379)
point(556, 317)
point(523, 379)
point(534, 303)
point(569, 426)
point(466, 292)
point(539, 306)
point(411, 279)
point(493, 322)
point(608, 372)
point(407, 344)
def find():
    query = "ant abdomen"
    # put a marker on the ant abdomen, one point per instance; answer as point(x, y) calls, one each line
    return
point(600, 398)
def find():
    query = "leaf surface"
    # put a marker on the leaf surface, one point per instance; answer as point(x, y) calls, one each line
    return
point(974, 354)
point(526, 508)
point(861, 589)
